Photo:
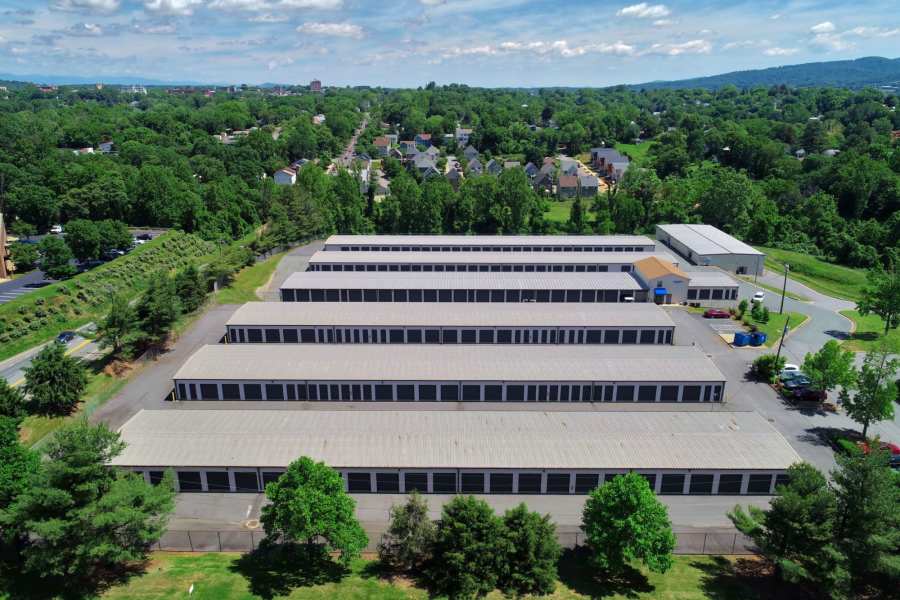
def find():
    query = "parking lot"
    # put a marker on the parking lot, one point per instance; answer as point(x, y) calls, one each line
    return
point(25, 284)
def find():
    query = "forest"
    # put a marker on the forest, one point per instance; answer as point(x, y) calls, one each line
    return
point(815, 170)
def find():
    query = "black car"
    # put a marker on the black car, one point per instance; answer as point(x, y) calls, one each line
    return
point(65, 337)
point(144, 236)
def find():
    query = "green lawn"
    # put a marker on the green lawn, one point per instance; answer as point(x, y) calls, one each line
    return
point(776, 290)
point(247, 280)
point(225, 576)
point(775, 326)
point(870, 333)
point(637, 152)
point(560, 211)
point(827, 278)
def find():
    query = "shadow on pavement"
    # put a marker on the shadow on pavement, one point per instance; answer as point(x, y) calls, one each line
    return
point(828, 436)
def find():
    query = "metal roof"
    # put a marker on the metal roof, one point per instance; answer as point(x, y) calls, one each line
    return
point(449, 362)
point(489, 240)
point(448, 439)
point(707, 240)
point(712, 278)
point(346, 280)
point(451, 314)
point(486, 258)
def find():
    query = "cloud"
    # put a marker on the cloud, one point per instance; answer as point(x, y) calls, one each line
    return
point(172, 7)
point(279, 61)
point(87, 5)
point(83, 30)
point(870, 32)
point(644, 11)
point(348, 30)
point(560, 48)
point(432, 2)
point(312, 4)
point(664, 22)
point(823, 27)
point(689, 47)
point(268, 18)
point(776, 51)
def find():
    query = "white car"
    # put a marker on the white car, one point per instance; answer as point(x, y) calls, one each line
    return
point(759, 296)
point(789, 369)
point(56, 229)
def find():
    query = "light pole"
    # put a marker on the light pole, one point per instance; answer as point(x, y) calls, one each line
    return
point(787, 268)
point(781, 341)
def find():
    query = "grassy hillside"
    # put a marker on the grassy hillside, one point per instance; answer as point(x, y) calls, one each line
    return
point(39, 316)
point(827, 278)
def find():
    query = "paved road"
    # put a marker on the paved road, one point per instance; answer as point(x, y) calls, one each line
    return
point(28, 282)
point(294, 261)
point(13, 369)
point(344, 159)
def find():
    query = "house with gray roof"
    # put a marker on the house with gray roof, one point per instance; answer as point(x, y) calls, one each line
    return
point(432, 152)
point(568, 166)
point(543, 182)
point(455, 178)
point(588, 185)
point(531, 170)
point(493, 167)
point(475, 167)
point(470, 152)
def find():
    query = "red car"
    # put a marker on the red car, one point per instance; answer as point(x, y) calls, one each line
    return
point(893, 449)
point(716, 313)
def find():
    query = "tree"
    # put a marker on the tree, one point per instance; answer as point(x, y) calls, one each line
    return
point(830, 367)
point(54, 382)
point(17, 466)
point(623, 521)
point(408, 541)
point(469, 549)
point(12, 401)
point(119, 329)
point(881, 296)
point(56, 258)
point(876, 390)
point(24, 256)
point(796, 531)
point(533, 553)
point(80, 518)
point(868, 518)
point(83, 238)
point(308, 502)
point(114, 235)
point(34, 204)
point(767, 366)
point(577, 221)
point(158, 309)
point(190, 286)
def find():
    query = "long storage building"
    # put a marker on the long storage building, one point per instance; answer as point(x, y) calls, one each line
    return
point(462, 287)
point(472, 452)
point(450, 373)
point(449, 323)
point(706, 245)
point(490, 243)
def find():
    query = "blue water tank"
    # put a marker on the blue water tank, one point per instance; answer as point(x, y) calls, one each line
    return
point(741, 339)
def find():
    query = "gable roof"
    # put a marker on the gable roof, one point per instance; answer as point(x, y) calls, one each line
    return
point(654, 267)
point(382, 141)
point(588, 181)
point(568, 181)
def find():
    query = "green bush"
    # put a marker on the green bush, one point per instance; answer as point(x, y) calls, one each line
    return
point(766, 367)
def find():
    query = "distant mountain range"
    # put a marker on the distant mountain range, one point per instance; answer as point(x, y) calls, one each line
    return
point(861, 72)
point(76, 80)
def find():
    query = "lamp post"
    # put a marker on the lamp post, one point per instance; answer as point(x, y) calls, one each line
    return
point(787, 268)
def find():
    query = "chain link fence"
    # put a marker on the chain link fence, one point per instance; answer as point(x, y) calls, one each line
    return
point(687, 542)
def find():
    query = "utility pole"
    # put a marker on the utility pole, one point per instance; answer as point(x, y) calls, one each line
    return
point(787, 268)
point(781, 341)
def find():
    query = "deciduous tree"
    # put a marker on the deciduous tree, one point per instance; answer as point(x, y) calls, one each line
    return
point(54, 382)
point(119, 330)
point(830, 367)
point(881, 296)
point(56, 258)
point(876, 390)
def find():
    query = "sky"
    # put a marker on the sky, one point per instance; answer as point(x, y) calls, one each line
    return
point(407, 43)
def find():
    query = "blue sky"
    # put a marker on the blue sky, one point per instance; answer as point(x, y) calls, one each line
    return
point(411, 42)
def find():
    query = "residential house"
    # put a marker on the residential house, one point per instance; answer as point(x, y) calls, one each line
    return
point(393, 138)
point(395, 153)
point(455, 178)
point(618, 170)
point(429, 173)
point(588, 185)
point(568, 166)
point(832, 152)
point(493, 167)
point(408, 147)
point(423, 139)
point(800, 154)
point(318, 119)
point(462, 136)
point(105, 147)
point(470, 153)
point(382, 186)
point(285, 176)
point(543, 182)
point(432, 152)
point(382, 145)
point(511, 164)
point(475, 167)
point(531, 170)
point(422, 163)
point(601, 158)
point(299, 164)
point(363, 175)
point(568, 186)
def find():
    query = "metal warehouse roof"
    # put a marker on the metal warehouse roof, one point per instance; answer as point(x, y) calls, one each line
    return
point(447, 439)
point(489, 240)
point(318, 280)
point(449, 362)
point(486, 258)
point(706, 239)
point(711, 278)
point(451, 314)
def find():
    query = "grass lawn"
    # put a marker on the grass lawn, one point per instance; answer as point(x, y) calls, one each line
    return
point(559, 211)
point(775, 326)
point(827, 278)
point(637, 152)
point(243, 288)
point(225, 576)
point(776, 290)
point(870, 333)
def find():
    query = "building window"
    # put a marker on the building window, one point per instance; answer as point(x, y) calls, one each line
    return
point(611, 337)
point(231, 391)
point(501, 483)
point(672, 484)
point(701, 483)
point(472, 483)
point(651, 480)
point(668, 393)
point(387, 483)
point(273, 336)
point(289, 335)
point(558, 483)
point(413, 336)
point(629, 336)
point(485, 336)
point(468, 336)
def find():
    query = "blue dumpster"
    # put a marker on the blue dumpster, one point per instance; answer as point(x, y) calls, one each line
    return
point(757, 338)
point(741, 338)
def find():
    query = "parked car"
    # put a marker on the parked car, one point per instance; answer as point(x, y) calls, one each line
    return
point(56, 229)
point(893, 450)
point(805, 394)
point(759, 297)
point(65, 337)
point(144, 237)
point(716, 313)
point(798, 381)
point(788, 371)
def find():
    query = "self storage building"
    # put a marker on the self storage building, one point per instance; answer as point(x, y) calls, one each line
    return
point(450, 373)
point(470, 452)
point(490, 243)
point(448, 323)
point(461, 287)
point(706, 245)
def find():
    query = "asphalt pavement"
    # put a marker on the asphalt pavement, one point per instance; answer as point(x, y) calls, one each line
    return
point(10, 290)
point(13, 369)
